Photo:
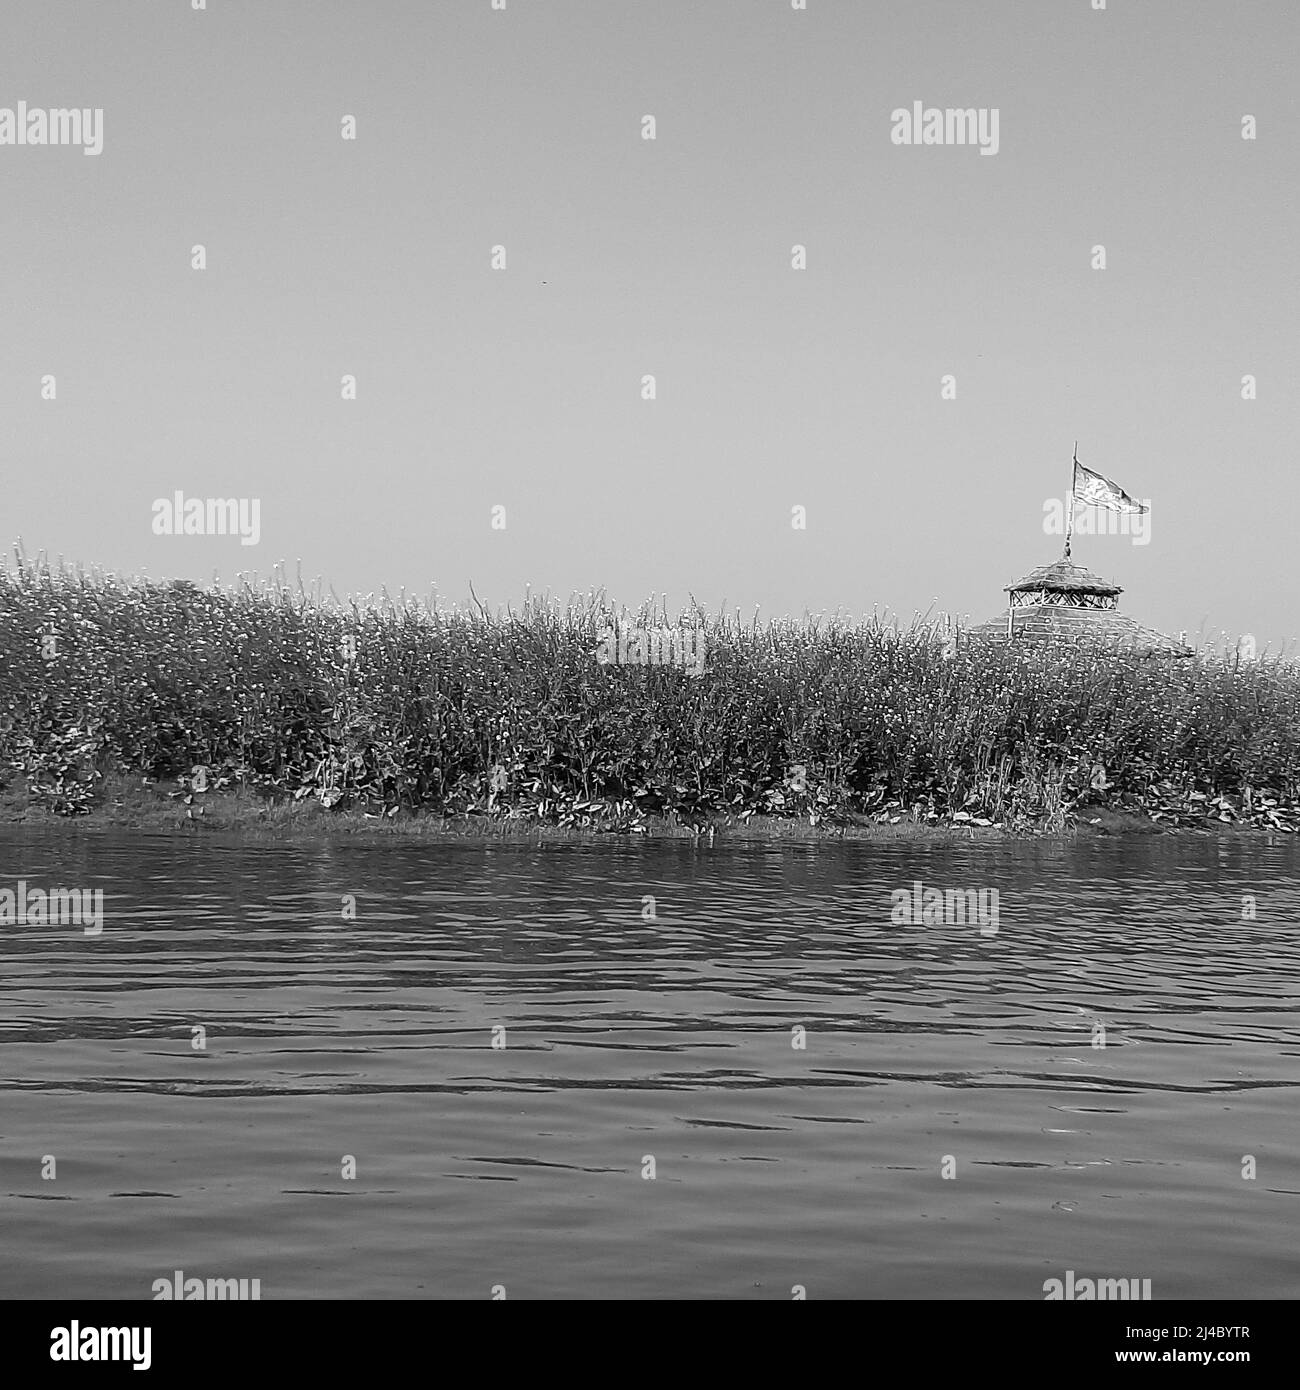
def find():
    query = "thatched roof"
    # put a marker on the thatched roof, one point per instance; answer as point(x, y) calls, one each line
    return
point(1064, 576)
point(1040, 622)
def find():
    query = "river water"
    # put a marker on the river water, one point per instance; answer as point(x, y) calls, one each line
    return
point(1100, 1075)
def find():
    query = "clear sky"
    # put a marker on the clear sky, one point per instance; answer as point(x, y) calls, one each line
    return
point(522, 388)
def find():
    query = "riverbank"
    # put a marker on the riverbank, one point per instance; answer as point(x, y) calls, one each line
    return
point(125, 804)
point(271, 709)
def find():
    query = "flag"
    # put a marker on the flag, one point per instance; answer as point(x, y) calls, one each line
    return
point(1095, 491)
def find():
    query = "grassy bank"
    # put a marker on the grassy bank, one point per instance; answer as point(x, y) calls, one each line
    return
point(127, 804)
point(267, 699)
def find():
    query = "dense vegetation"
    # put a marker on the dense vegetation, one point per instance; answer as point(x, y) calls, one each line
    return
point(513, 715)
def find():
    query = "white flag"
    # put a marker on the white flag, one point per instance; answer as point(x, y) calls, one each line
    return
point(1095, 491)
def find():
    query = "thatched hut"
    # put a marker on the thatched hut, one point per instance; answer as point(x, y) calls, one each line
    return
point(1063, 602)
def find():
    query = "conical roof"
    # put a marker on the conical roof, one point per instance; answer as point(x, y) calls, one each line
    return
point(1057, 622)
point(1064, 576)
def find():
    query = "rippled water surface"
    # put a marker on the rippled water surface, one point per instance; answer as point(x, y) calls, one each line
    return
point(671, 1038)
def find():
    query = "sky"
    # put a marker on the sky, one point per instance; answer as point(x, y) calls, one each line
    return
point(523, 388)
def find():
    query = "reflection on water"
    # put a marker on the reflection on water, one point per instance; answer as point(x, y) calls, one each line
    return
point(673, 1039)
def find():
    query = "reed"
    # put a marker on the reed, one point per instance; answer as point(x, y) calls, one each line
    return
point(510, 715)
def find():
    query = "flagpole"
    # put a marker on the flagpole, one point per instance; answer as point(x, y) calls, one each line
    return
point(1069, 524)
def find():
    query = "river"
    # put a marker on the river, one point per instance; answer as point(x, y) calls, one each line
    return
point(718, 1071)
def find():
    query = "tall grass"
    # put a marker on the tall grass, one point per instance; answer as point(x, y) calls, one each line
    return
point(512, 715)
